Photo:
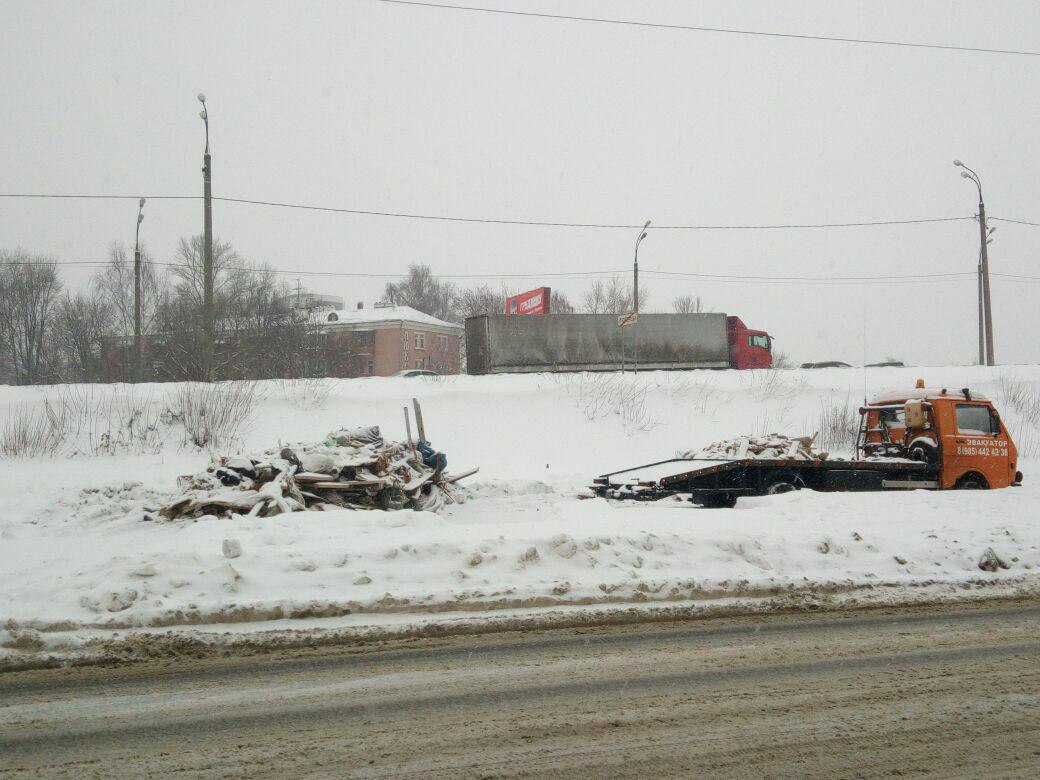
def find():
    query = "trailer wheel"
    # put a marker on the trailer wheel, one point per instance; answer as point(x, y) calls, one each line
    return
point(783, 486)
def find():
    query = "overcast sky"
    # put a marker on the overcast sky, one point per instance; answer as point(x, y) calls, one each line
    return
point(364, 105)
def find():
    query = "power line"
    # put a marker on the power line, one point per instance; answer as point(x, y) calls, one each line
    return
point(537, 223)
point(496, 221)
point(695, 28)
point(949, 276)
point(821, 281)
point(1015, 221)
point(80, 196)
point(896, 277)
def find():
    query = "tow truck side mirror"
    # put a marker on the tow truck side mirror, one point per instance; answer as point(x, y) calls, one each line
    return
point(913, 414)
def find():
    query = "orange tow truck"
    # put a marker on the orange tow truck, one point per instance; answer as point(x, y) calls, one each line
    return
point(958, 433)
point(925, 438)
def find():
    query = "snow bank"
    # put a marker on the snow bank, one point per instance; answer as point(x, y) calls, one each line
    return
point(76, 552)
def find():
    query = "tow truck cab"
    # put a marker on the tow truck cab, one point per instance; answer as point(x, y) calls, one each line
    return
point(956, 431)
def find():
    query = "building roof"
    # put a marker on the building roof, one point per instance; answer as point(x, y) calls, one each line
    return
point(387, 314)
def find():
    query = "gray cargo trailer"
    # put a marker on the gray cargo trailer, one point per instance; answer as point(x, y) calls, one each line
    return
point(501, 343)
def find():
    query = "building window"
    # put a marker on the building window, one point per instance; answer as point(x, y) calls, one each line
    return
point(442, 368)
point(420, 341)
point(364, 338)
point(442, 341)
point(370, 367)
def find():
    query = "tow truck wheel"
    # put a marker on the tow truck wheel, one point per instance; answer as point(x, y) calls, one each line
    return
point(925, 452)
point(718, 501)
point(971, 482)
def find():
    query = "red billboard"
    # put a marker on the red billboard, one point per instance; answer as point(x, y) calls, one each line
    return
point(531, 302)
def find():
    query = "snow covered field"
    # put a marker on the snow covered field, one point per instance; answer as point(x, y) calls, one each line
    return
point(76, 555)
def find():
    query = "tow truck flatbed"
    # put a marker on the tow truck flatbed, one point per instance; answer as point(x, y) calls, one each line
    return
point(719, 482)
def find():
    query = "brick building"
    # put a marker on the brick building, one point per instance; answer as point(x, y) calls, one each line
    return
point(343, 343)
point(388, 339)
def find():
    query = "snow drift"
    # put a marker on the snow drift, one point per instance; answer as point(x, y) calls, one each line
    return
point(76, 550)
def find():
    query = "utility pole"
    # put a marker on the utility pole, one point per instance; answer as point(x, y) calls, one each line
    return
point(138, 371)
point(635, 294)
point(991, 358)
point(207, 254)
point(982, 316)
point(968, 173)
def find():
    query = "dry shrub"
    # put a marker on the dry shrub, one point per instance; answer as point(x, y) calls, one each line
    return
point(215, 415)
point(837, 425)
point(603, 395)
point(770, 384)
point(1020, 408)
point(32, 433)
point(308, 392)
point(110, 420)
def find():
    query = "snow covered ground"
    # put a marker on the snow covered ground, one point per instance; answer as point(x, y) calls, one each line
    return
point(77, 557)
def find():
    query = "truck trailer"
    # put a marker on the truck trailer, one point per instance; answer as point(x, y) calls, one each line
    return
point(500, 343)
point(923, 439)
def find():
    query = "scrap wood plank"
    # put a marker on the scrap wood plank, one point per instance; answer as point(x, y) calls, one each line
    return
point(311, 476)
point(420, 427)
point(354, 483)
point(418, 482)
point(453, 478)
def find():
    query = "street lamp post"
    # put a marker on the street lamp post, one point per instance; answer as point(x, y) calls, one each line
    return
point(138, 345)
point(984, 304)
point(207, 254)
point(635, 292)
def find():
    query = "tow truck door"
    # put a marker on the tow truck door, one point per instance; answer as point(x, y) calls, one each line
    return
point(975, 440)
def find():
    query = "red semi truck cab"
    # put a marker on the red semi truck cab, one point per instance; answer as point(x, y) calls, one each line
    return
point(748, 348)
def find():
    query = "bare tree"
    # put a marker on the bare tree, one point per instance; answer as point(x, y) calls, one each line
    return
point(82, 325)
point(482, 299)
point(688, 304)
point(612, 298)
point(425, 292)
point(594, 301)
point(229, 272)
point(178, 339)
point(115, 283)
point(560, 304)
point(29, 286)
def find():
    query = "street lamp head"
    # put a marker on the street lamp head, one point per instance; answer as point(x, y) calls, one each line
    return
point(203, 114)
point(646, 225)
point(140, 218)
point(642, 236)
point(965, 175)
point(958, 163)
point(202, 98)
point(140, 203)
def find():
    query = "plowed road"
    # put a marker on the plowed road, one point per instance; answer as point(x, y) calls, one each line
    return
point(952, 692)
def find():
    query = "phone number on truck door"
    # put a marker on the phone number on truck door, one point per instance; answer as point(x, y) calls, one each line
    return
point(984, 448)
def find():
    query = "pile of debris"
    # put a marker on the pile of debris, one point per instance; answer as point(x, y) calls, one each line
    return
point(350, 469)
point(773, 446)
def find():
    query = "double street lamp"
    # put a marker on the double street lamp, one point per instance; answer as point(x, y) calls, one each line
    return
point(986, 356)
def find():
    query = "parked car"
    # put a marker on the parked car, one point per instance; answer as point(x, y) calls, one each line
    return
point(887, 364)
point(416, 372)
point(827, 364)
